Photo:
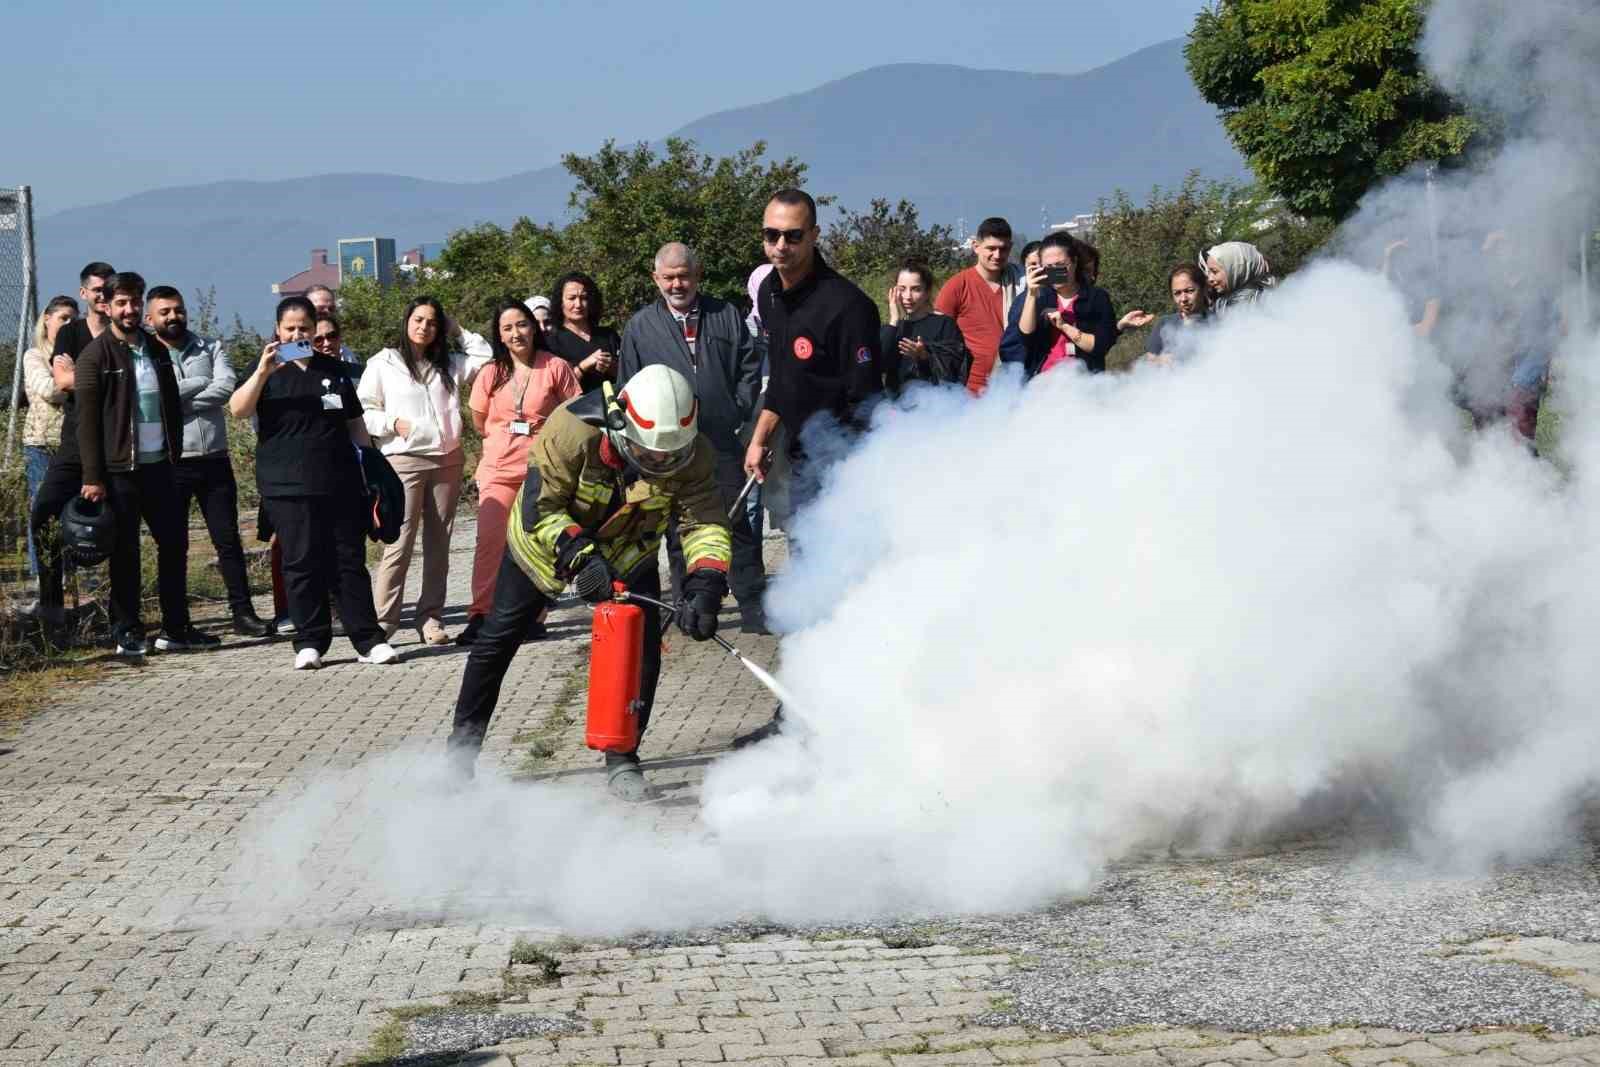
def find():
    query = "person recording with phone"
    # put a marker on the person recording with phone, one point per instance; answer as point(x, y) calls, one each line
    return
point(1062, 319)
point(312, 489)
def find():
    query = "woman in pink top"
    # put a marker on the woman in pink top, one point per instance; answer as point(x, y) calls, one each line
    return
point(510, 401)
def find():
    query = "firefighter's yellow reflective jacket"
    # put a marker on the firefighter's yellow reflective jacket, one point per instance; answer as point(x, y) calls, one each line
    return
point(572, 489)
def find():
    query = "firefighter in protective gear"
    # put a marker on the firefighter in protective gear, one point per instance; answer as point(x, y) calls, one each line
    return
point(605, 475)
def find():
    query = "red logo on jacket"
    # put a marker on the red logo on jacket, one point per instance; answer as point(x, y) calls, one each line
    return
point(803, 348)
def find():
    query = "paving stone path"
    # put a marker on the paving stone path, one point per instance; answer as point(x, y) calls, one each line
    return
point(121, 807)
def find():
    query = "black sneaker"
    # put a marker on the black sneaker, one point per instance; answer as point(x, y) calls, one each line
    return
point(248, 624)
point(754, 621)
point(773, 728)
point(186, 641)
point(469, 633)
point(131, 646)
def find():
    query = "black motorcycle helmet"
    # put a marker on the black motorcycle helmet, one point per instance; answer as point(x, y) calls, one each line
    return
point(88, 530)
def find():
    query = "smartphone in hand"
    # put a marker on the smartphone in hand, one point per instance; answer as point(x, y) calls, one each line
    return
point(292, 350)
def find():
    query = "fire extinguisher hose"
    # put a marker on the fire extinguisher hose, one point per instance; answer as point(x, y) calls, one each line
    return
point(760, 673)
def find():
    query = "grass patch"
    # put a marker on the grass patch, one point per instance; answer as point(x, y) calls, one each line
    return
point(388, 1042)
point(918, 937)
point(544, 969)
point(26, 689)
point(544, 739)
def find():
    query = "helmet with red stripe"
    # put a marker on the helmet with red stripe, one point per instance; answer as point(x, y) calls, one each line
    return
point(660, 421)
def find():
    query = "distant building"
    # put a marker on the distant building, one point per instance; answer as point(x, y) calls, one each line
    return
point(321, 272)
point(367, 257)
point(412, 258)
point(1078, 226)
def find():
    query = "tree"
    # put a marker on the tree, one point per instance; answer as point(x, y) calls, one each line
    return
point(627, 203)
point(871, 244)
point(1140, 244)
point(630, 202)
point(1326, 97)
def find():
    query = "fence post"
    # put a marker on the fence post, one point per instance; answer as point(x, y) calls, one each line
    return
point(27, 311)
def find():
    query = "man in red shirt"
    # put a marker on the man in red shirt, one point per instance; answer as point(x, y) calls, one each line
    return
point(979, 298)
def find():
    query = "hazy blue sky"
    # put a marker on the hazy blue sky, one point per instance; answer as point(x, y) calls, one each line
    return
point(106, 99)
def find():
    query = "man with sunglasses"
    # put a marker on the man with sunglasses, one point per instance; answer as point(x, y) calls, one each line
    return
point(824, 355)
point(205, 382)
point(822, 338)
point(64, 477)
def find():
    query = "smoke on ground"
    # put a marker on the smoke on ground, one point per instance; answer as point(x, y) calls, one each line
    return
point(1036, 632)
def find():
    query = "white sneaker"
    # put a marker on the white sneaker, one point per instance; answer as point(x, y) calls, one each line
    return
point(308, 659)
point(380, 653)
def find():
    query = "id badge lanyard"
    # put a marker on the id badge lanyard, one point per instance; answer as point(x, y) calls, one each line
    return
point(519, 425)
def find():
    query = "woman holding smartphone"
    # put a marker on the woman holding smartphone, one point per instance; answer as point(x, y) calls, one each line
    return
point(411, 402)
point(1063, 319)
point(311, 485)
point(510, 401)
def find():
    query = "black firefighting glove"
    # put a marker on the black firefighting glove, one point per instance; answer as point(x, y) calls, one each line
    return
point(702, 596)
point(594, 578)
point(578, 560)
point(573, 548)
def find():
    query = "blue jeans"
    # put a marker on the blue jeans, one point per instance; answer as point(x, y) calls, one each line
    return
point(35, 461)
point(752, 508)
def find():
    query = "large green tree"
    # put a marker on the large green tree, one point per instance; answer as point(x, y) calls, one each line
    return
point(873, 243)
point(626, 203)
point(1325, 97)
point(630, 202)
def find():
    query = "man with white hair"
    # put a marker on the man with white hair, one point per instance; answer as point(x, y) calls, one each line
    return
point(705, 340)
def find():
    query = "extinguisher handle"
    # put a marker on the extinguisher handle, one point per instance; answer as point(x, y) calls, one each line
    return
point(619, 590)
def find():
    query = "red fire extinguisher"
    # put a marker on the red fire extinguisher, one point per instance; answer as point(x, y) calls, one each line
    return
point(614, 657)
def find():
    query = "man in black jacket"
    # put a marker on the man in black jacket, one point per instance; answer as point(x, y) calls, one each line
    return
point(64, 477)
point(705, 340)
point(130, 434)
point(824, 347)
point(824, 354)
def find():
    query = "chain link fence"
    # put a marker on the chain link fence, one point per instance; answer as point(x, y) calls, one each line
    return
point(19, 294)
point(19, 307)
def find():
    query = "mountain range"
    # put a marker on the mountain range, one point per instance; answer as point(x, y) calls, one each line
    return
point(959, 143)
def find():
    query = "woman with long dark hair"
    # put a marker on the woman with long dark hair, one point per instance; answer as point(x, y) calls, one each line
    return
point(308, 424)
point(510, 401)
point(410, 396)
point(579, 338)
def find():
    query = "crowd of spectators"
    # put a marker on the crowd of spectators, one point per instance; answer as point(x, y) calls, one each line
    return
point(129, 410)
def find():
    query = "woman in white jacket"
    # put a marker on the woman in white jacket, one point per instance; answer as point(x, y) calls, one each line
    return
point(410, 398)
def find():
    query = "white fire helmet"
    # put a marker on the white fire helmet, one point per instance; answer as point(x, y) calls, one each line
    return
point(659, 421)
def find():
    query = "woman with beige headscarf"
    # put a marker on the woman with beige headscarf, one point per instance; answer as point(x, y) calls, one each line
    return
point(1237, 273)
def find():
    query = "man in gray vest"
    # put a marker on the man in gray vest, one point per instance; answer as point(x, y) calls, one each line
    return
point(204, 471)
point(705, 340)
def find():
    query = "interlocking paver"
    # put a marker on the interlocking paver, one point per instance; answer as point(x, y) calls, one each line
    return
point(120, 812)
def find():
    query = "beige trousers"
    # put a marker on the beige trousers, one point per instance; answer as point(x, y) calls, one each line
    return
point(433, 488)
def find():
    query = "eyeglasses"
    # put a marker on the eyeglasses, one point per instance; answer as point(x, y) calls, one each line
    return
point(772, 236)
point(330, 338)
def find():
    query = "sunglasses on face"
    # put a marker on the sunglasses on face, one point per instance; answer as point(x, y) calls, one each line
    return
point(330, 338)
point(772, 236)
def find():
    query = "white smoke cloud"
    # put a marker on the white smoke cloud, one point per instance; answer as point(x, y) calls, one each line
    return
point(1034, 633)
